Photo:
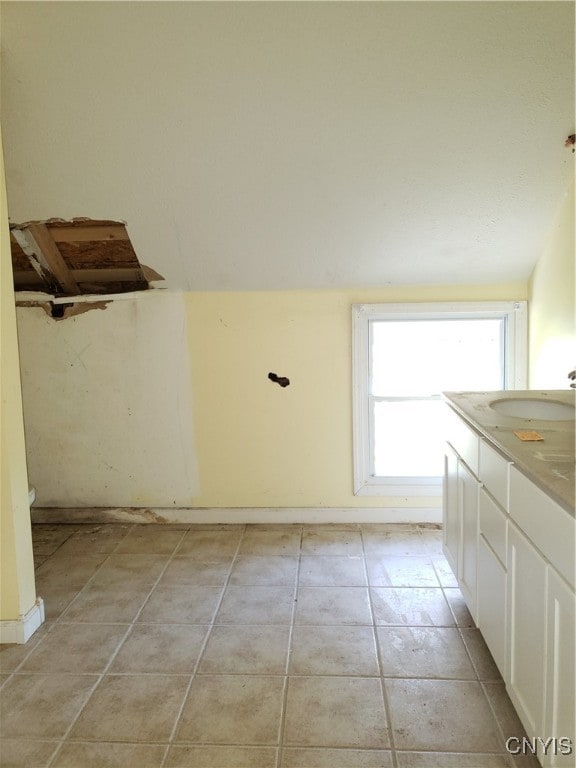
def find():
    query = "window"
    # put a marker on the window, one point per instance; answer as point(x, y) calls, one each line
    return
point(405, 356)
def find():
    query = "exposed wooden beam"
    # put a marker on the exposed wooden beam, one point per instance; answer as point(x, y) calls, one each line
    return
point(47, 248)
point(81, 234)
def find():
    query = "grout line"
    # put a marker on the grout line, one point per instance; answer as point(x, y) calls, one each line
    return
point(282, 725)
point(211, 626)
point(387, 706)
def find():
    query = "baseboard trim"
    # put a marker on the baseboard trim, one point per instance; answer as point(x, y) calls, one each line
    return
point(203, 515)
point(20, 630)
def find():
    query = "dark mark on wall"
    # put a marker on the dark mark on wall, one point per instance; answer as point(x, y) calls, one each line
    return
point(282, 380)
point(68, 309)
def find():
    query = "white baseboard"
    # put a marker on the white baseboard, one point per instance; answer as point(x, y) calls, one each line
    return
point(195, 515)
point(20, 630)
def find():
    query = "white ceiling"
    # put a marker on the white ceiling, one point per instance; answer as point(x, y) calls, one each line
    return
point(296, 145)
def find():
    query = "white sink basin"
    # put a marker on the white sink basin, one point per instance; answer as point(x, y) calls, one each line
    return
point(533, 408)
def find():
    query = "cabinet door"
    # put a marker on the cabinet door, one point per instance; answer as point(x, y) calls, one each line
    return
point(492, 603)
point(525, 673)
point(468, 487)
point(451, 520)
point(561, 652)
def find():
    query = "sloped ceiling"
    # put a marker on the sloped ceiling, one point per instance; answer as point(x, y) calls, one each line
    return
point(296, 145)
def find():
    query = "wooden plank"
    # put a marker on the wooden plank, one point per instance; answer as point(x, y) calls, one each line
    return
point(48, 249)
point(107, 275)
point(88, 233)
point(29, 277)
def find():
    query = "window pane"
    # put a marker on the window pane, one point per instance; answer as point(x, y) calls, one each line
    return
point(411, 358)
point(408, 438)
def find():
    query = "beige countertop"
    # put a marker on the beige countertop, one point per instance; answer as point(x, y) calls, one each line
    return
point(549, 463)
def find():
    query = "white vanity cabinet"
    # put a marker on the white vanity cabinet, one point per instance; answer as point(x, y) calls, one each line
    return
point(491, 579)
point(560, 671)
point(526, 596)
point(512, 550)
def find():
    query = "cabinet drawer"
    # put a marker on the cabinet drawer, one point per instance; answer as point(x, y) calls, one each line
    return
point(494, 471)
point(493, 525)
point(464, 440)
point(550, 527)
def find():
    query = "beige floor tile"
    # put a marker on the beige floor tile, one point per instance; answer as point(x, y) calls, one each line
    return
point(269, 541)
point(104, 755)
point(69, 570)
point(128, 571)
point(441, 716)
point(506, 716)
point(26, 753)
point(164, 648)
point(181, 604)
point(105, 603)
point(458, 607)
point(48, 539)
point(333, 605)
point(444, 572)
point(332, 571)
point(294, 757)
point(148, 539)
point(221, 757)
point(331, 542)
point(137, 708)
point(410, 606)
point(333, 651)
point(95, 539)
point(256, 605)
point(432, 538)
point(424, 652)
point(13, 654)
point(56, 598)
point(198, 572)
point(405, 571)
point(82, 648)
point(42, 706)
point(245, 650)
point(335, 712)
point(232, 709)
point(393, 540)
point(207, 544)
point(259, 570)
point(450, 760)
point(482, 660)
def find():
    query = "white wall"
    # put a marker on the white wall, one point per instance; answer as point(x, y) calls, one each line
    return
point(107, 404)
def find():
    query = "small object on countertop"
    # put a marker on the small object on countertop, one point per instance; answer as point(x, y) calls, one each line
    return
point(528, 435)
point(282, 380)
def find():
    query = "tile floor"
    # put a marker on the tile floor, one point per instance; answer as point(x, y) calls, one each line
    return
point(282, 646)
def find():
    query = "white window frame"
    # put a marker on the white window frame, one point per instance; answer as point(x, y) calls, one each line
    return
point(514, 314)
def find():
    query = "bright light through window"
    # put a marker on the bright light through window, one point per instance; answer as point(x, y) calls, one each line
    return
point(405, 357)
point(419, 359)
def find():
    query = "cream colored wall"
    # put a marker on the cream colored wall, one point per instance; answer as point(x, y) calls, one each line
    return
point(552, 334)
point(263, 446)
point(17, 587)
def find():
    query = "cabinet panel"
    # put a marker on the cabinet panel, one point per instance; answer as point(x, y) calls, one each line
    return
point(494, 525)
point(451, 521)
point(464, 440)
point(560, 676)
point(525, 670)
point(468, 562)
point(492, 603)
point(544, 521)
point(494, 472)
